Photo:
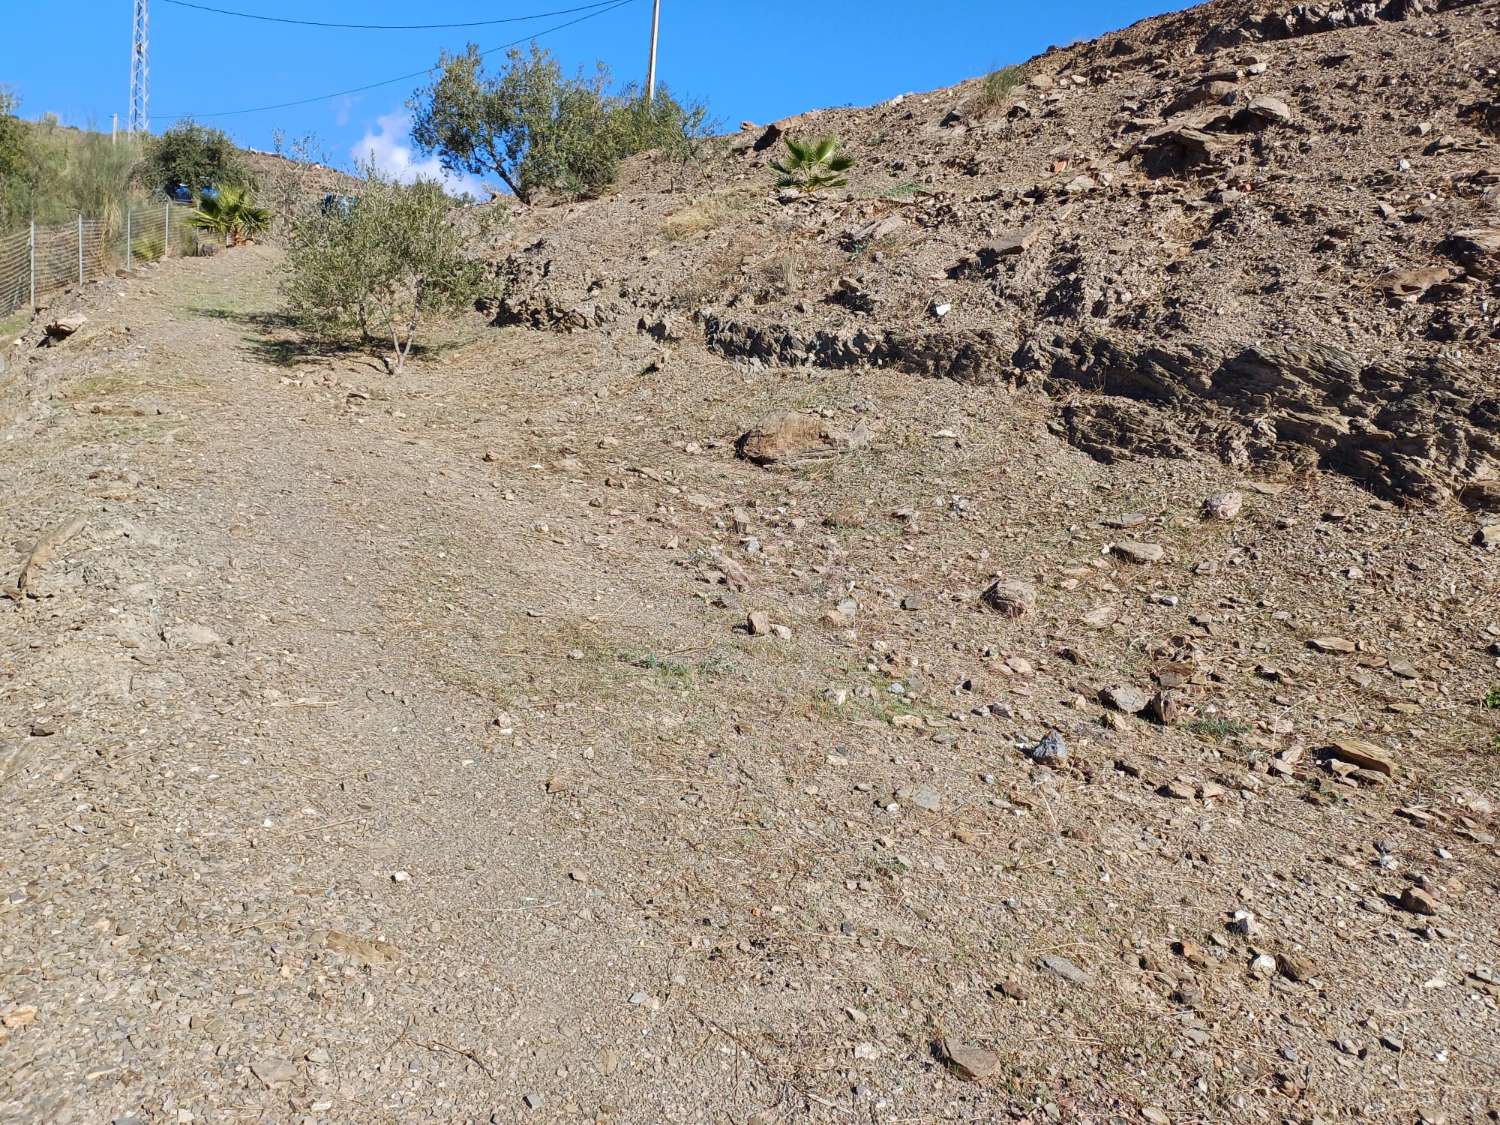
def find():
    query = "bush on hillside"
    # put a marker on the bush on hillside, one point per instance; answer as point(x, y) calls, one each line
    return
point(50, 173)
point(813, 165)
point(999, 85)
point(383, 270)
point(536, 130)
point(193, 155)
point(16, 169)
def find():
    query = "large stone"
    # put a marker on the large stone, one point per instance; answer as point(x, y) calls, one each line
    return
point(1410, 284)
point(1266, 110)
point(1062, 967)
point(1138, 552)
point(1339, 645)
point(1365, 755)
point(1125, 698)
point(1008, 246)
point(1481, 495)
point(1224, 506)
point(1009, 597)
point(967, 1061)
point(1476, 249)
point(65, 326)
point(792, 438)
point(1414, 900)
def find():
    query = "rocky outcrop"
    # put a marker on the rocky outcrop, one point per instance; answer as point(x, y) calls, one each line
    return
point(540, 289)
point(1312, 19)
point(1414, 427)
point(976, 356)
point(1411, 428)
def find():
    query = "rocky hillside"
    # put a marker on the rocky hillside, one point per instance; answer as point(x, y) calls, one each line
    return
point(1269, 235)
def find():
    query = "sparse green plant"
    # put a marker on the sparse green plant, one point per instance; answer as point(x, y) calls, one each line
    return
point(291, 183)
point(668, 669)
point(146, 249)
point(813, 165)
point(385, 269)
point(903, 190)
point(1217, 726)
point(231, 212)
point(1491, 701)
point(675, 671)
point(536, 130)
point(998, 86)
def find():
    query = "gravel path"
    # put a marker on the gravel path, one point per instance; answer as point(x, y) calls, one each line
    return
point(385, 751)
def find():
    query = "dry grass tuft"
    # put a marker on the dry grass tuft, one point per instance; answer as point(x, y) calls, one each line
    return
point(999, 86)
point(703, 215)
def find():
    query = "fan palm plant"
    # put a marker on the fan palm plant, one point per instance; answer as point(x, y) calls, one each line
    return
point(231, 213)
point(812, 165)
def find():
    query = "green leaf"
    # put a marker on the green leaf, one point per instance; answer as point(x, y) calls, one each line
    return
point(841, 163)
point(824, 147)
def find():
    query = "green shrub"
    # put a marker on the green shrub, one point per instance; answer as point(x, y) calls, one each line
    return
point(812, 165)
point(292, 183)
point(999, 85)
point(193, 155)
point(1218, 727)
point(231, 212)
point(17, 164)
point(536, 130)
point(50, 173)
point(146, 249)
point(383, 270)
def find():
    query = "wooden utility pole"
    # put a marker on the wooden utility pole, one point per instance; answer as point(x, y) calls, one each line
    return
point(651, 66)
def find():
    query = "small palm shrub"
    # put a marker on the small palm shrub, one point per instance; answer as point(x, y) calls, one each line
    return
point(812, 165)
point(231, 213)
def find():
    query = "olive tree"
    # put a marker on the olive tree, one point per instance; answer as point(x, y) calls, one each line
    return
point(195, 156)
point(385, 268)
point(534, 129)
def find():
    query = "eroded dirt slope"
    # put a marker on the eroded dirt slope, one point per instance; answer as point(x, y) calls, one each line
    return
point(1268, 234)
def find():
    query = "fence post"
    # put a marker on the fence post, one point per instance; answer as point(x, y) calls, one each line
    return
point(127, 238)
point(166, 228)
point(80, 249)
point(31, 255)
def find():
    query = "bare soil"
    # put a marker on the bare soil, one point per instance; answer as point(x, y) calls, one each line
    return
point(389, 750)
point(492, 743)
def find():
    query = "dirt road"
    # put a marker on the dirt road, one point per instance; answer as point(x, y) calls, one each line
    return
point(387, 750)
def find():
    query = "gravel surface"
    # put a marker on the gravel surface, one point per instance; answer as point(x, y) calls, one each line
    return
point(393, 750)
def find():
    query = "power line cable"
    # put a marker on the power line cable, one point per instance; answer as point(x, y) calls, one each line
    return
point(384, 26)
point(400, 77)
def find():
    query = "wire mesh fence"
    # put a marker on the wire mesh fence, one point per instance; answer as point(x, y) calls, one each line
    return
point(41, 259)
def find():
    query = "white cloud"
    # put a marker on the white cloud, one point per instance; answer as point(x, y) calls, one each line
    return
point(343, 110)
point(388, 144)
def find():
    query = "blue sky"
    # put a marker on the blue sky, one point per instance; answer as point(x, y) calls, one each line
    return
point(749, 59)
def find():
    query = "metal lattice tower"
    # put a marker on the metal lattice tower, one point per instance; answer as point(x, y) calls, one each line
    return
point(140, 68)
